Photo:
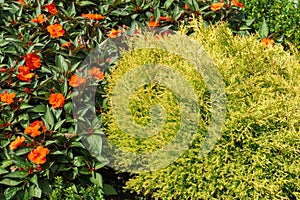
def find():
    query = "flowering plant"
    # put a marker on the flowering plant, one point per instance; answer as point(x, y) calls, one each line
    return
point(42, 45)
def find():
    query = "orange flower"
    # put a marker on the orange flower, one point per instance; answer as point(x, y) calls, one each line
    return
point(24, 70)
point(216, 6)
point(67, 44)
point(153, 23)
point(25, 77)
point(34, 129)
point(238, 4)
point(7, 98)
point(38, 155)
point(186, 6)
point(32, 61)
point(93, 16)
point(113, 33)
point(51, 8)
point(267, 41)
point(40, 19)
point(55, 30)
point(16, 143)
point(57, 100)
point(95, 71)
point(22, 2)
point(24, 74)
point(76, 81)
point(162, 18)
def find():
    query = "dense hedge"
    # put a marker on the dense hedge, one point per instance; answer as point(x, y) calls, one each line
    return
point(282, 17)
point(257, 155)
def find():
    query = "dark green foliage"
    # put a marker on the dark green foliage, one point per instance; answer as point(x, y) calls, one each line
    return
point(282, 17)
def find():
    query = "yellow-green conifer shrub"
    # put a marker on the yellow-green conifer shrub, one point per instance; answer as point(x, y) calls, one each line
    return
point(258, 155)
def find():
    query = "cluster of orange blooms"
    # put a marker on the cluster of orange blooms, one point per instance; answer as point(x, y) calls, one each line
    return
point(57, 100)
point(32, 62)
point(55, 30)
point(93, 16)
point(113, 33)
point(219, 5)
point(267, 41)
point(35, 128)
point(37, 155)
point(7, 98)
point(153, 23)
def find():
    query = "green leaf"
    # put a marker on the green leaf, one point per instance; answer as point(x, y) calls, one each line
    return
point(156, 14)
point(10, 192)
point(45, 186)
point(25, 106)
point(264, 30)
point(61, 63)
point(3, 171)
point(34, 180)
point(57, 113)
point(38, 109)
point(77, 144)
point(64, 87)
point(104, 161)
point(20, 161)
point(58, 152)
point(23, 194)
point(177, 12)
point(71, 10)
point(4, 43)
point(48, 142)
point(59, 124)
point(168, 3)
point(4, 143)
point(244, 28)
point(193, 4)
point(35, 191)
point(109, 190)
point(10, 182)
point(99, 165)
point(97, 180)
point(75, 66)
point(95, 144)
point(38, 9)
point(68, 107)
point(6, 163)
point(85, 3)
point(49, 118)
point(17, 174)
point(79, 161)
point(120, 13)
point(44, 83)
point(23, 151)
point(249, 22)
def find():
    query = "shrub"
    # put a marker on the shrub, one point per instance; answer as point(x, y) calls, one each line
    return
point(61, 191)
point(257, 155)
point(282, 17)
